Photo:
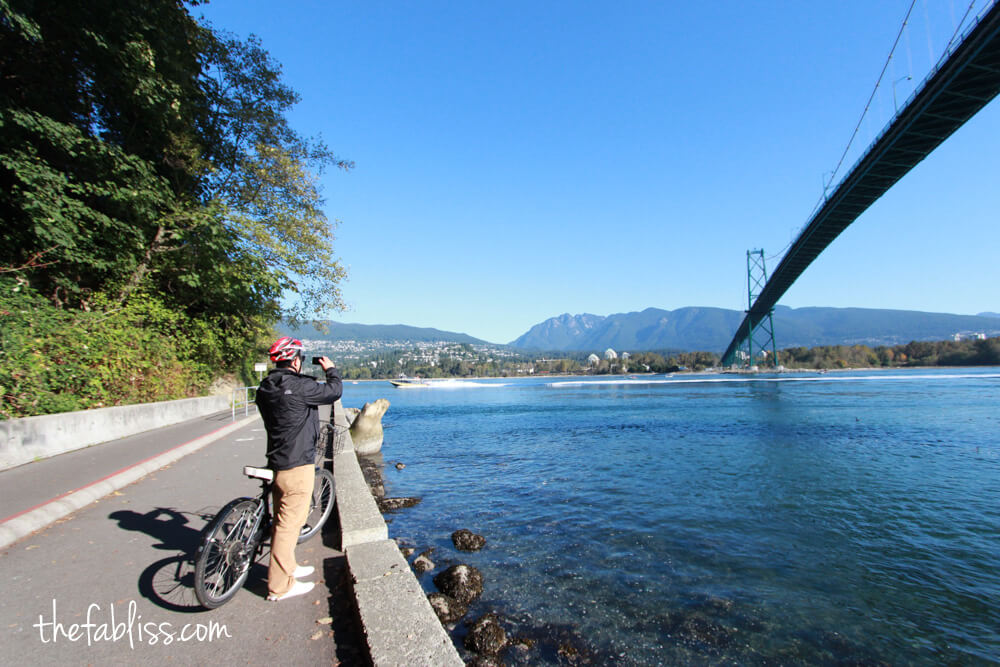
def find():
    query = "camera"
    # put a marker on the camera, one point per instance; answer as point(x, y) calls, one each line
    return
point(316, 361)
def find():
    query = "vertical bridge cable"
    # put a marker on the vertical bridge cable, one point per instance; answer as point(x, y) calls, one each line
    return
point(927, 26)
point(878, 83)
point(958, 29)
point(864, 113)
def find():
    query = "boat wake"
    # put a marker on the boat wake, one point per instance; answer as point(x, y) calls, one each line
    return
point(734, 380)
point(462, 384)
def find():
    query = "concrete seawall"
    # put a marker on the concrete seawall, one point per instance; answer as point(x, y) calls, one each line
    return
point(399, 624)
point(32, 438)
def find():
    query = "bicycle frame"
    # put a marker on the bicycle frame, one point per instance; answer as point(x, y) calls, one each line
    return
point(263, 517)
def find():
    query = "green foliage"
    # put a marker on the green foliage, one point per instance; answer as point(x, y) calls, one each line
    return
point(918, 353)
point(263, 175)
point(152, 191)
point(54, 359)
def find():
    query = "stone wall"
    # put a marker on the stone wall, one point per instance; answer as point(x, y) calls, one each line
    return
point(32, 438)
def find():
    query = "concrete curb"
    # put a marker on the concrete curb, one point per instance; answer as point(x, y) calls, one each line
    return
point(20, 525)
point(399, 625)
point(360, 519)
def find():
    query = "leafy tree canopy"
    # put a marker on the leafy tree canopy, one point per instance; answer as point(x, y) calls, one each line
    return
point(139, 147)
point(147, 166)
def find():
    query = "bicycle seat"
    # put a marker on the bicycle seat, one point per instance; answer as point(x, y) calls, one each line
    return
point(259, 473)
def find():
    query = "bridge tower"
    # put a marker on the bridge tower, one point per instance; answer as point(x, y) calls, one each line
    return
point(760, 348)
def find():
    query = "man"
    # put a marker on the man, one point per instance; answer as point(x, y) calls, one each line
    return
point(288, 404)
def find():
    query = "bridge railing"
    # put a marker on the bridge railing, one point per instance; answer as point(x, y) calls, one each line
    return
point(897, 111)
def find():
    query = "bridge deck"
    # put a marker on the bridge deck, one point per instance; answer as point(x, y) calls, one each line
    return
point(952, 94)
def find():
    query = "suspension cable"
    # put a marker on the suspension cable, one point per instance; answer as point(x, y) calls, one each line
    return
point(878, 83)
point(888, 60)
point(958, 29)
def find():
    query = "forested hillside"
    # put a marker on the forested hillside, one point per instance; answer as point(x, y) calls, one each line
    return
point(712, 328)
point(327, 330)
point(158, 214)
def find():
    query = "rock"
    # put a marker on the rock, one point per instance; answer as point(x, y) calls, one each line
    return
point(406, 551)
point(373, 475)
point(224, 386)
point(462, 582)
point(568, 651)
point(392, 504)
point(484, 661)
point(447, 608)
point(486, 636)
point(693, 629)
point(400, 466)
point(366, 428)
point(423, 563)
point(466, 540)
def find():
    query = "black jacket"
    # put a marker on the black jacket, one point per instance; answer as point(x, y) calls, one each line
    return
point(287, 401)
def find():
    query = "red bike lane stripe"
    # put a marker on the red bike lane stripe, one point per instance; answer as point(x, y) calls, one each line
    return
point(107, 477)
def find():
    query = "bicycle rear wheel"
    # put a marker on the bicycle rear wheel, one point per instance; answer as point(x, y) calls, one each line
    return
point(323, 497)
point(226, 553)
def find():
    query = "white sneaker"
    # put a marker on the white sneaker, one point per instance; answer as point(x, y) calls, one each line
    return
point(298, 588)
point(303, 571)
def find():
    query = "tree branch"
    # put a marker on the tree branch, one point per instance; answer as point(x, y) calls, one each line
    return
point(32, 262)
point(143, 268)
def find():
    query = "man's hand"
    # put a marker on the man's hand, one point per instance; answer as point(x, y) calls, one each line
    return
point(325, 363)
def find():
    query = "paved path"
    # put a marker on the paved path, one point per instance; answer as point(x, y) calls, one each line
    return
point(128, 553)
point(33, 484)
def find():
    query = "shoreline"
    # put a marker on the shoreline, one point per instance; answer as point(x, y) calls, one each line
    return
point(707, 371)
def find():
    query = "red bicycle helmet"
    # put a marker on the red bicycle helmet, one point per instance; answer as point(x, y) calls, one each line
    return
point(285, 348)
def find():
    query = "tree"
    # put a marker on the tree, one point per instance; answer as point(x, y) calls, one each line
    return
point(263, 176)
point(141, 149)
point(148, 172)
point(93, 137)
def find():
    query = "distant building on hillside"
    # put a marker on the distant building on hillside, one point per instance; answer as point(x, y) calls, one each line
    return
point(593, 360)
point(610, 354)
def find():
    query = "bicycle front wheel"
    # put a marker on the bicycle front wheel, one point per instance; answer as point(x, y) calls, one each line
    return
point(226, 553)
point(323, 497)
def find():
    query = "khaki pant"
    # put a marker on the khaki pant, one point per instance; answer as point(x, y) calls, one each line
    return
point(290, 496)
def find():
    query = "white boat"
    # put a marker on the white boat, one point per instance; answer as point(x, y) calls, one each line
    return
point(409, 383)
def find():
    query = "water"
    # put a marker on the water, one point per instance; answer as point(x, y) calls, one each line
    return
point(824, 519)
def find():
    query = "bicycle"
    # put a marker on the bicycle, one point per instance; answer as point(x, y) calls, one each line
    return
point(236, 537)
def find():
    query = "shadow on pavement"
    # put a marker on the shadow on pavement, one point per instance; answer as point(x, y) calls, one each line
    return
point(169, 582)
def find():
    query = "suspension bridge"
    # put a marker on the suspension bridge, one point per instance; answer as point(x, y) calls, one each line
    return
point(962, 83)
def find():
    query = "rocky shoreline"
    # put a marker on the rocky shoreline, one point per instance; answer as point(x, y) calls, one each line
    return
point(484, 636)
point(486, 633)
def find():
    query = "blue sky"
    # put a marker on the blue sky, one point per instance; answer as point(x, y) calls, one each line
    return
point(519, 160)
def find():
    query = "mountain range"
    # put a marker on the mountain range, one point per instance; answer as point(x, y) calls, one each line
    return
point(688, 329)
point(338, 331)
point(711, 329)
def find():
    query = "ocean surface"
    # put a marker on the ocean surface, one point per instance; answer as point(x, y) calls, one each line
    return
point(839, 518)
